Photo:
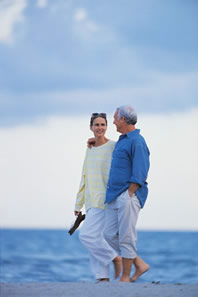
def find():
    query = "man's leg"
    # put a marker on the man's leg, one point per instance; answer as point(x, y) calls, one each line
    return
point(111, 235)
point(127, 265)
point(128, 211)
point(111, 227)
point(140, 268)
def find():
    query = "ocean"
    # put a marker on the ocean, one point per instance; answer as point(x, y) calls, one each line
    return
point(55, 256)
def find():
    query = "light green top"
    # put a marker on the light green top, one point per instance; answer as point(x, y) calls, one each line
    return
point(95, 175)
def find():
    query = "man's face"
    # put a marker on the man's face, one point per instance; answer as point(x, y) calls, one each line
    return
point(117, 122)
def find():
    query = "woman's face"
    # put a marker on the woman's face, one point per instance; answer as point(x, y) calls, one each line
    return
point(99, 127)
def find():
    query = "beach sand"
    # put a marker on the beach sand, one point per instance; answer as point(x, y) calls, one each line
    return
point(85, 289)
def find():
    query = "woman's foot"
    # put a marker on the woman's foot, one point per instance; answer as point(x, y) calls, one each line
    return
point(100, 280)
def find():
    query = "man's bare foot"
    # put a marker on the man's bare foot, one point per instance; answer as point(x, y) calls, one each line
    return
point(139, 270)
point(124, 279)
point(117, 262)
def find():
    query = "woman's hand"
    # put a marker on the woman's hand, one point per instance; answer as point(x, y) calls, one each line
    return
point(76, 213)
point(90, 142)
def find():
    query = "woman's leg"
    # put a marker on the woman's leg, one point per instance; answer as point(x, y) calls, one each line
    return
point(91, 236)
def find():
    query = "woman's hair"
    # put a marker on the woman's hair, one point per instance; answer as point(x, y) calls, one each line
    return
point(98, 115)
point(128, 113)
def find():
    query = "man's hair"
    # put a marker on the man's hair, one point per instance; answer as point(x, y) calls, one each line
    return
point(128, 113)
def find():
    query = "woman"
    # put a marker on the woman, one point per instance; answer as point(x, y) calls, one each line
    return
point(92, 194)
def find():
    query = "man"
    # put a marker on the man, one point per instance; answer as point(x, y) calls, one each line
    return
point(127, 191)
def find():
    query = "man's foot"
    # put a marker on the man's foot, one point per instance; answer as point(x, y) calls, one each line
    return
point(125, 279)
point(140, 269)
point(117, 262)
point(100, 280)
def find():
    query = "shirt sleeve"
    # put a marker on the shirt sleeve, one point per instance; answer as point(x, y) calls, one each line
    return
point(140, 163)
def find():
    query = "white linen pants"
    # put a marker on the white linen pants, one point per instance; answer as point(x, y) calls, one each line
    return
point(120, 224)
point(91, 236)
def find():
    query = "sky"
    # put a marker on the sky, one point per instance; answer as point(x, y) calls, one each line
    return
point(62, 60)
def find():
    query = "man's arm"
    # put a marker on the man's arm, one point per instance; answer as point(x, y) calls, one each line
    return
point(90, 142)
point(140, 164)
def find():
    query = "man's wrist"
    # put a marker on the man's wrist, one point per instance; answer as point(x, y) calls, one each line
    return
point(130, 192)
point(132, 189)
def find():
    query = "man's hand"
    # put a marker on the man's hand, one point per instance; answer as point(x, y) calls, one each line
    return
point(132, 189)
point(90, 142)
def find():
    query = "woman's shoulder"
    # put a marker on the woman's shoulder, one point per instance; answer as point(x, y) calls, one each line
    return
point(111, 142)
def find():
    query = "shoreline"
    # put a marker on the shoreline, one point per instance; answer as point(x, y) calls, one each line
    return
point(85, 289)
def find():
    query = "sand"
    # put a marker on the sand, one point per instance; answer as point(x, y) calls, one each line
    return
point(114, 289)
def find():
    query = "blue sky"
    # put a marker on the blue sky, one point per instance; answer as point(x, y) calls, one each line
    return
point(61, 60)
point(74, 57)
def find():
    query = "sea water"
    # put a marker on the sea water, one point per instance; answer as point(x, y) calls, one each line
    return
point(55, 256)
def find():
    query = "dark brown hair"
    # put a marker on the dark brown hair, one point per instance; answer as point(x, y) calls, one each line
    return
point(98, 115)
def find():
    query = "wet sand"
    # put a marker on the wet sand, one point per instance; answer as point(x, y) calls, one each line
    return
point(85, 289)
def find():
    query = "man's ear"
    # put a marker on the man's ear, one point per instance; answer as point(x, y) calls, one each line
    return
point(122, 119)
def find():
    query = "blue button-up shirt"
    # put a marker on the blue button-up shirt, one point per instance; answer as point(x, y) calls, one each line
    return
point(130, 164)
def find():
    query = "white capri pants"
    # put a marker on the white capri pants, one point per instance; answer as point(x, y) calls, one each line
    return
point(120, 224)
point(92, 237)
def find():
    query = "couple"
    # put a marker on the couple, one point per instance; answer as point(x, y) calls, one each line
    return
point(113, 189)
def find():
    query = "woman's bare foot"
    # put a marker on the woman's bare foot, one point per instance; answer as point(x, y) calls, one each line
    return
point(117, 262)
point(140, 268)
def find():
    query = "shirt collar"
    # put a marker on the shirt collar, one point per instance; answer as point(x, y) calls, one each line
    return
point(130, 134)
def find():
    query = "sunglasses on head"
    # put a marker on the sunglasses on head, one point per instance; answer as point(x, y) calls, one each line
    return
point(102, 114)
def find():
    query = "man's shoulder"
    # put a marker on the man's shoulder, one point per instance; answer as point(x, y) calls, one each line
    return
point(137, 140)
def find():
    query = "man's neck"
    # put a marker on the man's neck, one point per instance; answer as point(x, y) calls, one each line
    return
point(128, 128)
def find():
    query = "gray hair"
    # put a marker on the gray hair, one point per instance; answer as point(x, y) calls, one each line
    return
point(128, 113)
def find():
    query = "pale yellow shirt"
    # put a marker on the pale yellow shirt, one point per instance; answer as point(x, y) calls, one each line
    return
point(95, 175)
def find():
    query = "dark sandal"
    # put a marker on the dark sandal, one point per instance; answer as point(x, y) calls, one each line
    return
point(77, 222)
point(100, 280)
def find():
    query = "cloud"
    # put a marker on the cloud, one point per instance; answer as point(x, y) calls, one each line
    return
point(80, 15)
point(42, 3)
point(76, 59)
point(83, 27)
point(11, 12)
point(157, 92)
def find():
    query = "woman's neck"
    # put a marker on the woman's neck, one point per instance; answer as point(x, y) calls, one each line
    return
point(100, 141)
